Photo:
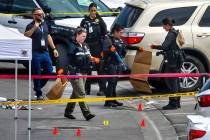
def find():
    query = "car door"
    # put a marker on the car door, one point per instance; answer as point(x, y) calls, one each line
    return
point(201, 30)
point(19, 14)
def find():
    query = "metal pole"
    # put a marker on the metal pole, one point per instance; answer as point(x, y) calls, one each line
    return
point(16, 97)
point(29, 103)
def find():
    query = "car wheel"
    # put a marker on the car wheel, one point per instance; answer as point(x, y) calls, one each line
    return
point(63, 57)
point(191, 65)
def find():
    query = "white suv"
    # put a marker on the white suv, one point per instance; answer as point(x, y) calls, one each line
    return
point(142, 22)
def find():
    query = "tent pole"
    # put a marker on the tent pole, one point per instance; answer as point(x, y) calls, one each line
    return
point(16, 97)
point(29, 103)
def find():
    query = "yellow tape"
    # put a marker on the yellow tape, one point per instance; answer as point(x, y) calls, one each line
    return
point(58, 13)
point(61, 101)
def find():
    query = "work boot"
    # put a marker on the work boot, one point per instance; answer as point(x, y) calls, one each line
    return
point(100, 93)
point(169, 107)
point(89, 116)
point(117, 103)
point(69, 116)
point(109, 104)
point(39, 98)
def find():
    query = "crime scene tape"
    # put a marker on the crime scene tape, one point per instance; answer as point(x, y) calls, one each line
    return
point(160, 75)
point(62, 101)
point(58, 13)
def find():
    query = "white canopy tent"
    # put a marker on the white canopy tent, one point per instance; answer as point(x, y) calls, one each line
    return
point(15, 46)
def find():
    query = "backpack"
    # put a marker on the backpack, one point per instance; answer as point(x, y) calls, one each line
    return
point(180, 41)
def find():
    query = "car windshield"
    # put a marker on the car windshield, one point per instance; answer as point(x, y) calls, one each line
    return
point(72, 8)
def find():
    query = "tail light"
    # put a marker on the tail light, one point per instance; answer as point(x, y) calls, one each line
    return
point(132, 37)
point(204, 100)
point(194, 134)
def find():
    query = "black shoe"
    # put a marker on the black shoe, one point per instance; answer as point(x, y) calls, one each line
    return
point(69, 116)
point(87, 93)
point(89, 116)
point(178, 106)
point(100, 93)
point(169, 107)
point(118, 103)
point(39, 98)
point(110, 104)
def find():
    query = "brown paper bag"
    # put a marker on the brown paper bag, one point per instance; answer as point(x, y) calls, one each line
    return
point(57, 89)
point(141, 65)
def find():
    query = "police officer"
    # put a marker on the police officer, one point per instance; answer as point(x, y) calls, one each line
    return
point(80, 61)
point(41, 61)
point(112, 45)
point(96, 30)
point(171, 52)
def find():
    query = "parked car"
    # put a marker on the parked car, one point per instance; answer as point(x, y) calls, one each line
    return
point(199, 124)
point(61, 24)
point(142, 22)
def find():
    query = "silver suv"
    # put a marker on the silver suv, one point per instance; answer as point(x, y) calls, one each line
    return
point(142, 22)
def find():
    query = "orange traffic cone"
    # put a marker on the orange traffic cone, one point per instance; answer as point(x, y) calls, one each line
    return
point(142, 123)
point(140, 107)
point(78, 132)
point(55, 131)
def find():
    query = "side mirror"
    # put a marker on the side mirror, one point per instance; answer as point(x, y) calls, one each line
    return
point(117, 10)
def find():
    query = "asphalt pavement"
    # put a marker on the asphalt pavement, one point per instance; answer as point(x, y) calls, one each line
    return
point(121, 123)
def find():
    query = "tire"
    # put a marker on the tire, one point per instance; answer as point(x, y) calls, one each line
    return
point(63, 57)
point(191, 65)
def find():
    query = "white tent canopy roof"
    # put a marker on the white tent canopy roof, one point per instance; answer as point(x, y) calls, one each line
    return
point(14, 45)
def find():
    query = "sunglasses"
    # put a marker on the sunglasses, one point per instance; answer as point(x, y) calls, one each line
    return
point(38, 15)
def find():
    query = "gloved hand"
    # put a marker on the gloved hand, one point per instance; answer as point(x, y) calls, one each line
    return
point(141, 49)
point(95, 60)
point(112, 49)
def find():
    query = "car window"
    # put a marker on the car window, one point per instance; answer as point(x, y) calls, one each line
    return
point(205, 20)
point(72, 8)
point(3, 6)
point(128, 16)
point(180, 15)
point(22, 6)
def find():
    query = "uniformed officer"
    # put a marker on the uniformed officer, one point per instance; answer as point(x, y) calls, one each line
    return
point(80, 61)
point(171, 63)
point(96, 30)
point(114, 49)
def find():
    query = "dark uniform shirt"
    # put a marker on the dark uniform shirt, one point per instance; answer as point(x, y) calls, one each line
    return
point(79, 57)
point(96, 30)
point(120, 46)
point(41, 33)
point(171, 50)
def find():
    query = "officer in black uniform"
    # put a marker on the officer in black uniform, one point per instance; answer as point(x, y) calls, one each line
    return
point(171, 52)
point(96, 30)
point(112, 45)
point(80, 61)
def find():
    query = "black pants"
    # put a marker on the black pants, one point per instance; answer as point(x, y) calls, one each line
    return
point(173, 84)
point(112, 82)
point(101, 81)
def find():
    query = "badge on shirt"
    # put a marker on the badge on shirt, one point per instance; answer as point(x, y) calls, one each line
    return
point(42, 42)
point(90, 29)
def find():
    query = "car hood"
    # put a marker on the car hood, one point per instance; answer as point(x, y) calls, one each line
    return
point(75, 22)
